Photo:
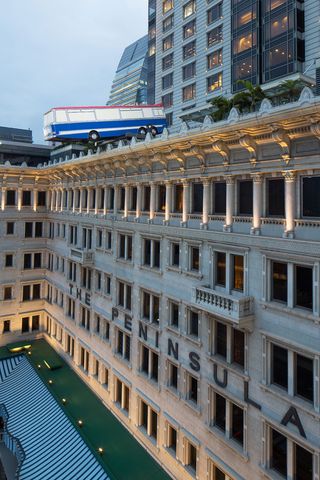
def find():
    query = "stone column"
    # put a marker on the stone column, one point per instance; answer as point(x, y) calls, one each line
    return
point(89, 194)
point(152, 201)
point(57, 200)
point(126, 200)
point(3, 198)
point(97, 200)
point(105, 201)
point(257, 203)
point(74, 190)
point(116, 199)
point(52, 200)
point(185, 201)
point(168, 201)
point(139, 199)
point(230, 204)
point(206, 202)
point(35, 199)
point(19, 198)
point(81, 199)
point(290, 202)
point(61, 199)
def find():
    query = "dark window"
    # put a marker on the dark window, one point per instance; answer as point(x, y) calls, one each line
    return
point(238, 272)
point(146, 305)
point(304, 287)
point(221, 269)
point(214, 36)
point(311, 197)
point(146, 203)
point(220, 197)
point(194, 323)
point(192, 463)
point(175, 252)
point(154, 424)
point(122, 246)
point(167, 42)
point(147, 252)
point(9, 260)
point(144, 415)
point(156, 254)
point(189, 92)
point(11, 198)
point(174, 314)
point(178, 198)
point(304, 377)
point(303, 464)
point(167, 23)
point(122, 197)
point(167, 61)
point(37, 260)
point(42, 199)
point(195, 258)
point(161, 198)
point(134, 195)
point(167, 81)
point(214, 59)
point(221, 340)
point(279, 453)
point(7, 293)
point(25, 325)
point(27, 260)
point(245, 197)
point(145, 360)
point(172, 443)
point(214, 13)
point(155, 366)
point(10, 228)
point(167, 100)
point(193, 389)
point(189, 71)
point(237, 424)
point(26, 198)
point(26, 291)
point(220, 412)
point(189, 50)
point(36, 291)
point(279, 366)
point(279, 281)
point(197, 197)
point(6, 326)
point(238, 347)
point(38, 229)
point(35, 322)
point(276, 197)
point(28, 229)
point(173, 376)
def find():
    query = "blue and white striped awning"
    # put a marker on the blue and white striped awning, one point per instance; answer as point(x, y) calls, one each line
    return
point(54, 449)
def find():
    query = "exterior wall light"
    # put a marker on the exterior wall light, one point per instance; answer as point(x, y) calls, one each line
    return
point(50, 382)
point(64, 401)
point(100, 450)
point(80, 423)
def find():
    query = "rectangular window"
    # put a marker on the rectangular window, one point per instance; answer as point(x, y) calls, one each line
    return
point(237, 424)
point(35, 322)
point(214, 82)
point(26, 198)
point(25, 325)
point(178, 198)
point(172, 438)
point(220, 198)
point(304, 377)
point(167, 5)
point(191, 457)
point(193, 323)
point(167, 100)
point(174, 314)
point(303, 463)
point(221, 340)
point(38, 229)
point(151, 253)
point(279, 453)
point(175, 254)
point(279, 367)
point(238, 347)
point(189, 29)
point(189, 50)
point(197, 197)
point(192, 393)
point(7, 293)
point(9, 260)
point(10, 228)
point(167, 61)
point(214, 36)
point(173, 375)
point(311, 197)
point(194, 259)
point(214, 13)
point(214, 59)
point(167, 81)
point(167, 23)
point(275, 197)
point(28, 229)
point(304, 287)
point(167, 43)
point(238, 272)
point(279, 282)
point(42, 197)
point(189, 92)
point(189, 8)
point(189, 71)
point(220, 410)
point(245, 197)
point(10, 198)
point(150, 307)
point(221, 269)
point(125, 247)
point(6, 326)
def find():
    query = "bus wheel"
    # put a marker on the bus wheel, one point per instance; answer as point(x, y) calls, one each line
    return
point(154, 131)
point(142, 131)
point(94, 136)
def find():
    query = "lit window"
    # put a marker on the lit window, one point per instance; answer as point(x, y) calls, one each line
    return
point(189, 9)
point(189, 92)
point(214, 82)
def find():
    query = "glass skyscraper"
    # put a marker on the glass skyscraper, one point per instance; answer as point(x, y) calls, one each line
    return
point(129, 86)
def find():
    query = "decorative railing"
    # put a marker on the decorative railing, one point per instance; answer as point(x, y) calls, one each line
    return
point(228, 306)
point(272, 221)
point(240, 219)
point(11, 442)
point(307, 223)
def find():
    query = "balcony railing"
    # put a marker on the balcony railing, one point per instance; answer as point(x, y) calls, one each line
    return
point(239, 310)
point(84, 257)
point(11, 442)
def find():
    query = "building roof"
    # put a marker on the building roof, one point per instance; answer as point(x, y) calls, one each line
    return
point(123, 458)
point(53, 448)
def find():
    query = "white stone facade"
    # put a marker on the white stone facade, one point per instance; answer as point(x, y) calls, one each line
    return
point(171, 315)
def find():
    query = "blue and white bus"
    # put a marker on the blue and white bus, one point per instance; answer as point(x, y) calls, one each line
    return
point(95, 123)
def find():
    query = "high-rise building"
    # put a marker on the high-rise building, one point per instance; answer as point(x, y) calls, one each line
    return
point(203, 47)
point(179, 277)
point(129, 86)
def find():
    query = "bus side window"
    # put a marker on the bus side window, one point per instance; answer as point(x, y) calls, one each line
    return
point(128, 114)
point(157, 112)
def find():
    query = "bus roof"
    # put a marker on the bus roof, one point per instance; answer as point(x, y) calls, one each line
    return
point(158, 105)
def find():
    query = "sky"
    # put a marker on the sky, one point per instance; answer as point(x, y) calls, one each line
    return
point(61, 52)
